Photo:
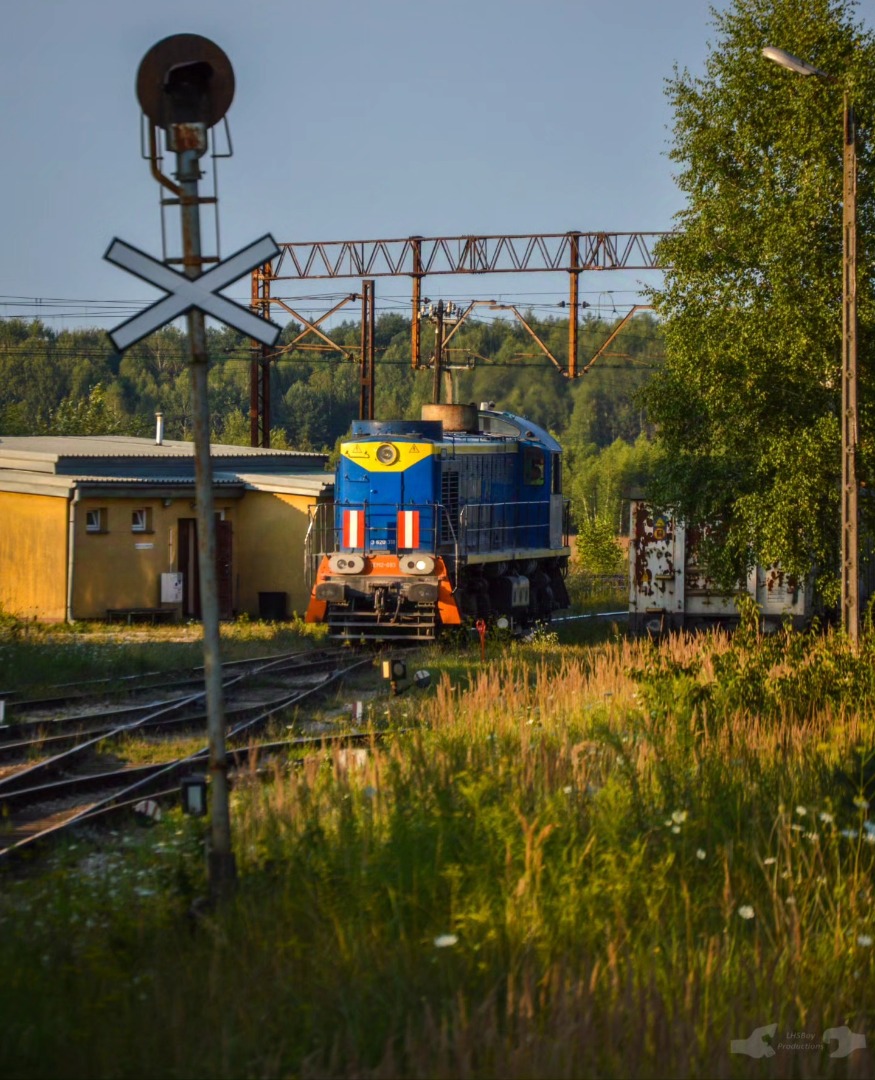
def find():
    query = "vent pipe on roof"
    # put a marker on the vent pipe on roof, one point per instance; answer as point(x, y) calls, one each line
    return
point(159, 428)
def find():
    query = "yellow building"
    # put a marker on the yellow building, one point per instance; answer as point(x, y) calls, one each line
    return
point(106, 525)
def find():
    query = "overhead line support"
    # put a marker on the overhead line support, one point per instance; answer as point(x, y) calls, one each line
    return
point(259, 371)
point(417, 257)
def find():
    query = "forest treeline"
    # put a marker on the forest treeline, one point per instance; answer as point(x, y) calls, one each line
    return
point(73, 382)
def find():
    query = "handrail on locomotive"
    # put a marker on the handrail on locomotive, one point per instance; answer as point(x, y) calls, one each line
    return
point(468, 537)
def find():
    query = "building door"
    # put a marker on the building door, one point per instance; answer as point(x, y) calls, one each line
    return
point(188, 565)
point(224, 563)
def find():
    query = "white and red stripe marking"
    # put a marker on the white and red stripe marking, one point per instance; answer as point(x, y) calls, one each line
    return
point(148, 808)
point(408, 529)
point(353, 528)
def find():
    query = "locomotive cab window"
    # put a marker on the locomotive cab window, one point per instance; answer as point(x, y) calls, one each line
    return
point(533, 467)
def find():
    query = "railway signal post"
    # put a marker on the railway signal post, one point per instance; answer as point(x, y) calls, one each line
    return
point(185, 85)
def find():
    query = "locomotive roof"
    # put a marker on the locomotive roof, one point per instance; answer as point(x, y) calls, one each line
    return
point(517, 427)
point(492, 427)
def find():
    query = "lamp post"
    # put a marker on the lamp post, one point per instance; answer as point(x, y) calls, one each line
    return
point(850, 415)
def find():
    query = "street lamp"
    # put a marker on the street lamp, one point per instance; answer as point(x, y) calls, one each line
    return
point(850, 530)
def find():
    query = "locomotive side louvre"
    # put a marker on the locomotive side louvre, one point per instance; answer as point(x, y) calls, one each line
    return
point(432, 527)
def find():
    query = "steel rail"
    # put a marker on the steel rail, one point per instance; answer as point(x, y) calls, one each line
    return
point(16, 749)
point(137, 683)
point(46, 730)
point(176, 765)
point(113, 806)
point(591, 615)
point(56, 761)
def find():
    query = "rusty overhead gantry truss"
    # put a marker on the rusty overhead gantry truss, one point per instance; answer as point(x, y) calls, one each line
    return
point(418, 257)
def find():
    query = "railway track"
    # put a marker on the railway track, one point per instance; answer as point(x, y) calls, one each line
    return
point(44, 799)
point(78, 696)
point(178, 708)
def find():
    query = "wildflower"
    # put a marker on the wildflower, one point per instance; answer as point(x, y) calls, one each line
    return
point(675, 829)
point(850, 834)
point(770, 861)
point(812, 836)
point(864, 940)
point(801, 811)
point(701, 853)
point(369, 792)
point(746, 911)
point(861, 803)
point(826, 817)
point(796, 828)
point(679, 816)
point(445, 941)
point(567, 790)
point(869, 826)
point(791, 901)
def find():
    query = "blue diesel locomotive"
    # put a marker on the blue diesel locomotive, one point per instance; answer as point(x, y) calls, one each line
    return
point(457, 516)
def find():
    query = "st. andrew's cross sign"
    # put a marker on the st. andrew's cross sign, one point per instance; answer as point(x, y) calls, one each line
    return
point(184, 293)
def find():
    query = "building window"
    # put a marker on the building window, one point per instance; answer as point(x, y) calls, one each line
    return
point(95, 520)
point(141, 520)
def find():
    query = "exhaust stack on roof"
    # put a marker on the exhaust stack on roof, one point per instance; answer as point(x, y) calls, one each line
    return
point(453, 417)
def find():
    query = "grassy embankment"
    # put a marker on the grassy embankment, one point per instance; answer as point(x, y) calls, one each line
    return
point(35, 657)
point(607, 859)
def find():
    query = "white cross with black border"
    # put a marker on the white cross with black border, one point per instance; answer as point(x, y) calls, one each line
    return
point(184, 293)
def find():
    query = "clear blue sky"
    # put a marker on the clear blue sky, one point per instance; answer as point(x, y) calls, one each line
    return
point(350, 121)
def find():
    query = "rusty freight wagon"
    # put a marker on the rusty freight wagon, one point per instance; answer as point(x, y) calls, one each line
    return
point(669, 590)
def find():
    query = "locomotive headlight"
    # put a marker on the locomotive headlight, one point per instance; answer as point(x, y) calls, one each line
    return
point(416, 564)
point(387, 454)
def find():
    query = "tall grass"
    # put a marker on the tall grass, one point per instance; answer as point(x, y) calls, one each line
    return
point(607, 861)
point(35, 657)
point(597, 592)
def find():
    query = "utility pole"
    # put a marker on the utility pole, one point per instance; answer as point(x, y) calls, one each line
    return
point(438, 351)
point(850, 518)
point(442, 315)
point(366, 378)
point(573, 302)
point(850, 524)
point(259, 367)
point(415, 338)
